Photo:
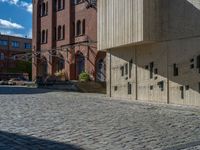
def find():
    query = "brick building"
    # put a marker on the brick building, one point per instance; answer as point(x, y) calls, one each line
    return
point(64, 39)
point(153, 49)
point(13, 49)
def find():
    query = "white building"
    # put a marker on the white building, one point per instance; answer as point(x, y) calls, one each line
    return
point(153, 49)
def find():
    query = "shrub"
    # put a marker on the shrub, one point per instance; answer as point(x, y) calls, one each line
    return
point(84, 76)
point(60, 75)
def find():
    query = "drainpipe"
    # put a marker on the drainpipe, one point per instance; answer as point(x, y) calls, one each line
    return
point(110, 63)
point(136, 75)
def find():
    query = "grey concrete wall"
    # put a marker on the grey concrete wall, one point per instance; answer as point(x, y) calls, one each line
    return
point(126, 22)
point(164, 55)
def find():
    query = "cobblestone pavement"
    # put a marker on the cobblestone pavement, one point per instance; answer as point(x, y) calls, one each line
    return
point(39, 119)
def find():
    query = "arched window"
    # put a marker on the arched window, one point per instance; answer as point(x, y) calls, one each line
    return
point(46, 36)
point(46, 8)
point(43, 36)
point(83, 27)
point(59, 32)
point(78, 28)
point(63, 32)
point(74, 29)
point(43, 11)
point(59, 4)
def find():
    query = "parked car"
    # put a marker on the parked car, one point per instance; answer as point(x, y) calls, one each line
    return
point(3, 82)
point(15, 81)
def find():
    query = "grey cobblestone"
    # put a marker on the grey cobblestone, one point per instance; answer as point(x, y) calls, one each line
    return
point(44, 119)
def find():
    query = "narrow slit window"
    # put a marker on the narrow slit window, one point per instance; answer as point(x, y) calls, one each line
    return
point(129, 88)
point(115, 88)
point(199, 87)
point(126, 69)
point(182, 92)
point(122, 71)
point(187, 87)
point(161, 85)
point(175, 68)
point(198, 63)
point(130, 67)
point(151, 70)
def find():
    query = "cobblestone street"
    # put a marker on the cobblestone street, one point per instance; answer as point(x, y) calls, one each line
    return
point(39, 119)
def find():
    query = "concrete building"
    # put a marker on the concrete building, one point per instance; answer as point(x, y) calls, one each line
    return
point(12, 50)
point(64, 39)
point(153, 49)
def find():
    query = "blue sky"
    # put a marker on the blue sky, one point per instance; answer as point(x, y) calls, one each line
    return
point(16, 17)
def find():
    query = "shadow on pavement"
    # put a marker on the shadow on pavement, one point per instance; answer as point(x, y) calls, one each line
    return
point(22, 90)
point(10, 141)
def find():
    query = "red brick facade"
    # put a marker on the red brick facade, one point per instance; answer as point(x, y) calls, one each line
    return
point(64, 39)
point(13, 49)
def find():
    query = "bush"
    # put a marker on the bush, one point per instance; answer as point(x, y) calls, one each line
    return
point(84, 76)
point(60, 75)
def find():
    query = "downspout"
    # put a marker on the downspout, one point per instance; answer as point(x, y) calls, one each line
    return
point(110, 63)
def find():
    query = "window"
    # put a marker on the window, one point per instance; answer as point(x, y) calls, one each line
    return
point(63, 32)
point(151, 70)
point(126, 69)
point(151, 87)
point(115, 88)
point(59, 32)
point(156, 71)
point(46, 8)
point(59, 5)
point(43, 9)
point(175, 70)
point(2, 57)
point(3, 42)
point(129, 88)
point(187, 87)
point(15, 44)
point(78, 28)
point(199, 87)
point(122, 71)
point(83, 26)
point(198, 63)
point(44, 36)
point(182, 92)
point(27, 45)
point(130, 67)
point(161, 85)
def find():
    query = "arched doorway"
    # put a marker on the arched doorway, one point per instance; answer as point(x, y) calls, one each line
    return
point(60, 63)
point(100, 71)
point(43, 67)
point(80, 63)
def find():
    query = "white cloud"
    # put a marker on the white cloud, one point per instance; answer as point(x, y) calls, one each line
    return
point(9, 25)
point(29, 35)
point(18, 3)
point(9, 32)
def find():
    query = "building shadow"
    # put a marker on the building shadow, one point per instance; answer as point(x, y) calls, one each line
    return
point(7, 90)
point(10, 141)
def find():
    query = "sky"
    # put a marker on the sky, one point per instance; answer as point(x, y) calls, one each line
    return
point(16, 17)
